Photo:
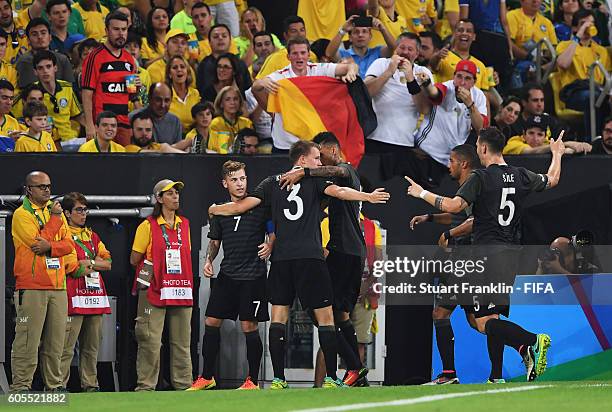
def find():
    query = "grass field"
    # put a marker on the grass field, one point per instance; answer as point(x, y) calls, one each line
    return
point(546, 396)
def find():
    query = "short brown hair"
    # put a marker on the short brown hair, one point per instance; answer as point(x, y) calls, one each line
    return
point(230, 167)
point(301, 148)
point(33, 109)
point(296, 41)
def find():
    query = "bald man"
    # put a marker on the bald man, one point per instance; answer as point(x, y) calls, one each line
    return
point(167, 127)
point(42, 247)
point(564, 261)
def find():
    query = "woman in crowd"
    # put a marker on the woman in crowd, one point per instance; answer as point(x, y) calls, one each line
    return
point(154, 45)
point(184, 96)
point(225, 75)
point(507, 115)
point(252, 21)
point(87, 300)
point(161, 254)
point(202, 114)
point(563, 18)
point(229, 121)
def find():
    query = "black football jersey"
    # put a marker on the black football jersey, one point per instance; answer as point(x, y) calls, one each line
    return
point(497, 195)
point(240, 236)
point(296, 215)
point(345, 233)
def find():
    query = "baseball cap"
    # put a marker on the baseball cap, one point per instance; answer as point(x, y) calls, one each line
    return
point(466, 66)
point(175, 32)
point(166, 184)
point(540, 121)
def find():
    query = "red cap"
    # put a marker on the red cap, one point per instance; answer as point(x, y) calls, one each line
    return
point(466, 66)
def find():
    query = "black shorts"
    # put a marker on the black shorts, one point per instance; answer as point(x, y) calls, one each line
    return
point(502, 267)
point(306, 278)
point(345, 272)
point(230, 299)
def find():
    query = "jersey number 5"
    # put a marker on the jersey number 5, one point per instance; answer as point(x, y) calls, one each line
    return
point(506, 203)
point(293, 197)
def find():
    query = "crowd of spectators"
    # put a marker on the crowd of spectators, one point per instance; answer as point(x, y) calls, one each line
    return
point(199, 72)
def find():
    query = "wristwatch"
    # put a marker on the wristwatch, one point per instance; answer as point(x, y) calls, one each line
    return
point(92, 262)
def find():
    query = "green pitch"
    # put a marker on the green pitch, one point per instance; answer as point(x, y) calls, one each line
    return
point(541, 397)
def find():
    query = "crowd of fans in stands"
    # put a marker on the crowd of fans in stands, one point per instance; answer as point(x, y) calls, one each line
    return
point(190, 76)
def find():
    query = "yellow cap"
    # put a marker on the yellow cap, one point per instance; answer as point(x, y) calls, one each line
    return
point(166, 184)
point(175, 32)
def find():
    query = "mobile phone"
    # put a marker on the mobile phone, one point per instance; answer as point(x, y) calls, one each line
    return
point(363, 21)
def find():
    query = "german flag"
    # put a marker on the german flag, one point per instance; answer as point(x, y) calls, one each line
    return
point(313, 104)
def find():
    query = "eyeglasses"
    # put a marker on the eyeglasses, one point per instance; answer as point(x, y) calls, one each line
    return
point(606, 130)
point(248, 146)
point(81, 210)
point(224, 67)
point(42, 187)
point(54, 102)
point(5, 97)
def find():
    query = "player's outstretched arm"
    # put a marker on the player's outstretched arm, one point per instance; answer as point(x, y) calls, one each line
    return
point(446, 204)
point(346, 193)
point(557, 148)
point(234, 208)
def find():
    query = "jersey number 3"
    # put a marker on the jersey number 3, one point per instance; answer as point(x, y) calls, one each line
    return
point(506, 203)
point(293, 197)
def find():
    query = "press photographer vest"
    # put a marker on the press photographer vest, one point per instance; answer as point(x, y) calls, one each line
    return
point(168, 288)
point(81, 299)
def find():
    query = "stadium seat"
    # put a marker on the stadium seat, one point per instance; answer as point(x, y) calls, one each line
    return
point(562, 112)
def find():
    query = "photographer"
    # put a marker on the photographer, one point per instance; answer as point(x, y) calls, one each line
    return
point(569, 255)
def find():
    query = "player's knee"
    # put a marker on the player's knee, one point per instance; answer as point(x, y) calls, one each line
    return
point(249, 326)
point(324, 316)
point(213, 322)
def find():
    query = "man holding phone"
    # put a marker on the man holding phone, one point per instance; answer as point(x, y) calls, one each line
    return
point(459, 108)
point(359, 29)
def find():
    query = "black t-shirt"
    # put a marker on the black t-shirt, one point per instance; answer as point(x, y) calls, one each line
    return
point(598, 148)
point(345, 233)
point(497, 194)
point(296, 215)
point(241, 235)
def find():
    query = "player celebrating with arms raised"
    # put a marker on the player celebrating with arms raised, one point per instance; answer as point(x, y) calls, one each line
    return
point(297, 262)
point(497, 195)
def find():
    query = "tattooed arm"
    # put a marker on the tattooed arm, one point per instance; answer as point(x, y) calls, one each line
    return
point(211, 254)
point(293, 176)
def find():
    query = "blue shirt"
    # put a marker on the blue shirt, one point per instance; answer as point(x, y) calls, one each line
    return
point(484, 14)
point(58, 45)
point(563, 31)
point(365, 61)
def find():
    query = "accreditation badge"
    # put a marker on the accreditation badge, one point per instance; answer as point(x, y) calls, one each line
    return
point(92, 281)
point(52, 263)
point(173, 261)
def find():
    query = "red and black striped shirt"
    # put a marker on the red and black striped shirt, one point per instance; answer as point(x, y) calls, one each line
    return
point(105, 73)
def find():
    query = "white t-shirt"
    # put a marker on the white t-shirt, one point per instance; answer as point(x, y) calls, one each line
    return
point(395, 110)
point(280, 138)
point(263, 125)
point(449, 123)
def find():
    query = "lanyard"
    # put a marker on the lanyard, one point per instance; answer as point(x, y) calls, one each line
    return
point(27, 205)
point(89, 252)
point(167, 240)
